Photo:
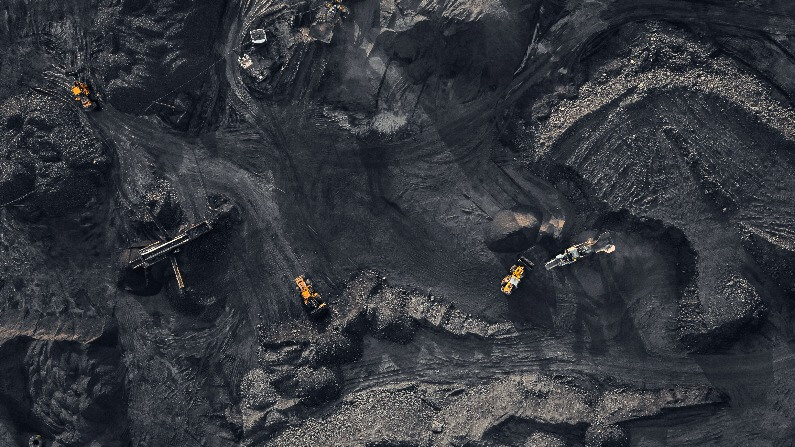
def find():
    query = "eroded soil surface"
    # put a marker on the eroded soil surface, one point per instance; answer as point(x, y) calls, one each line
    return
point(402, 154)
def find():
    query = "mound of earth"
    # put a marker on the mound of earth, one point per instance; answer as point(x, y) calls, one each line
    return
point(512, 230)
point(74, 390)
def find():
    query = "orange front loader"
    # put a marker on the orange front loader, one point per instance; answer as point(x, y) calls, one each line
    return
point(313, 303)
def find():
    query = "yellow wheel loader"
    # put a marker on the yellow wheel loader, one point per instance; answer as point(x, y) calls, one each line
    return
point(517, 272)
point(313, 303)
point(81, 93)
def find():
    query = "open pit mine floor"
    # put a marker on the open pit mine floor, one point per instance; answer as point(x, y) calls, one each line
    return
point(379, 223)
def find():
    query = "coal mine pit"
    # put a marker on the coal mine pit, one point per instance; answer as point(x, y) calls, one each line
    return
point(389, 223)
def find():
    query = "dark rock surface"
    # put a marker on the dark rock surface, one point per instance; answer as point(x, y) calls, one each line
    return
point(158, 45)
point(402, 155)
point(701, 129)
point(507, 410)
point(393, 416)
point(52, 158)
point(74, 391)
point(16, 181)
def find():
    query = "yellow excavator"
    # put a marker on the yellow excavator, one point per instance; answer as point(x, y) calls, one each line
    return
point(313, 303)
point(81, 93)
point(516, 274)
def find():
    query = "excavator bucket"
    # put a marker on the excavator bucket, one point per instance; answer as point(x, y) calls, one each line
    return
point(319, 310)
point(603, 244)
point(526, 262)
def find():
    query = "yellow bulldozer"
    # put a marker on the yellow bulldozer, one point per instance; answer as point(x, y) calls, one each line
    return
point(313, 303)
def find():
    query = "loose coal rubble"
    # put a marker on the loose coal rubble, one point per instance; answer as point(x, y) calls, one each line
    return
point(73, 389)
point(663, 65)
point(518, 410)
point(559, 405)
point(52, 160)
point(299, 365)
